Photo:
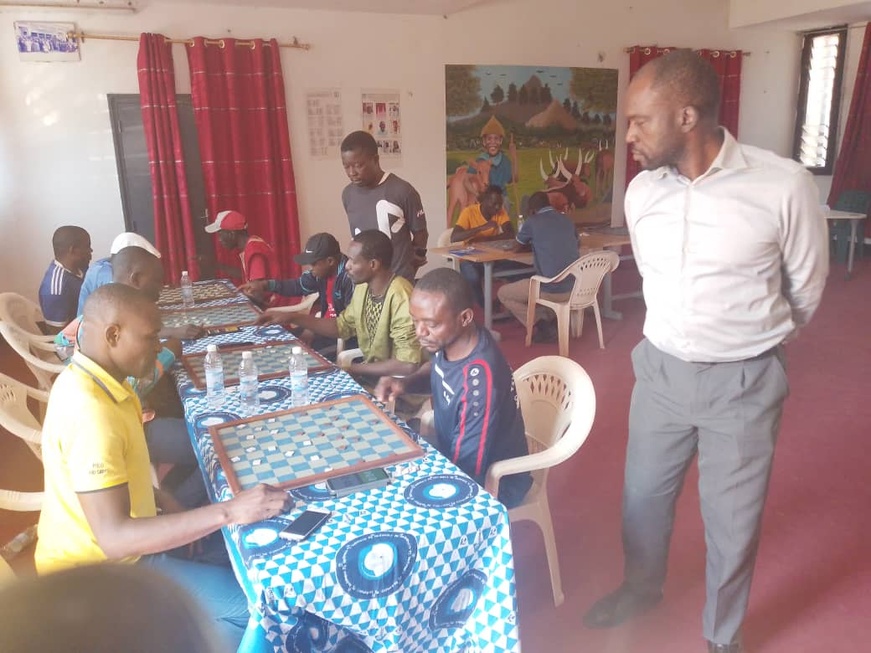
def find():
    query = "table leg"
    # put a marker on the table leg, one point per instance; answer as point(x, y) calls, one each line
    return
point(854, 224)
point(488, 299)
point(607, 304)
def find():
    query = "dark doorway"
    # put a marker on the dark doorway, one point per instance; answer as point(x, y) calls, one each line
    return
point(134, 176)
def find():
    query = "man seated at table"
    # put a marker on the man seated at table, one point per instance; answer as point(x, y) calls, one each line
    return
point(166, 433)
point(259, 260)
point(99, 504)
point(486, 220)
point(59, 290)
point(553, 239)
point(378, 314)
point(477, 419)
point(328, 276)
point(100, 271)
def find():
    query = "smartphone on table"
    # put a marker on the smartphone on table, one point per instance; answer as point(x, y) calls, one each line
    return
point(341, 486)
point(306, 524)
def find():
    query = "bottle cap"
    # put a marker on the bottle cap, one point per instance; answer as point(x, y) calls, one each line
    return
point(246, 354)
point(184, 272)
point(296, 350)
point(212, 348)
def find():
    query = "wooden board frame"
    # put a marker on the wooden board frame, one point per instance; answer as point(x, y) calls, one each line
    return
point(415, 450)
point(199, 381)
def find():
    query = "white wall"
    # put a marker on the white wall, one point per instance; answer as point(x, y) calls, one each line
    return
point(802, 14)
point(56, 153)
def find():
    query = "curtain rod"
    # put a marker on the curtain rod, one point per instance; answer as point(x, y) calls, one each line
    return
point(730, 52)
point(82, 37)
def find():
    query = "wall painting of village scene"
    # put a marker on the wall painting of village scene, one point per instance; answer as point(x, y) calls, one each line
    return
point(557, 135)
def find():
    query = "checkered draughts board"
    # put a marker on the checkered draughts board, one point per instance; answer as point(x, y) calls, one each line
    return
point(227, 315)
point(308, 445)
point(272, 360)
point(208, 292)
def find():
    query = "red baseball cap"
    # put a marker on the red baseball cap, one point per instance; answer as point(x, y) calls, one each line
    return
point(227, 221)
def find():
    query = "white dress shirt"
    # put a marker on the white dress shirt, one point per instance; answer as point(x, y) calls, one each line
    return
point(732, 262)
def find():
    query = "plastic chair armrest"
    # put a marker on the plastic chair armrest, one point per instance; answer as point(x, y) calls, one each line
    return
point(346, 358)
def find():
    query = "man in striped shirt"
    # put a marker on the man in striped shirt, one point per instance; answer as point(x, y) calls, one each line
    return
point(59, 290)
point(477, 418)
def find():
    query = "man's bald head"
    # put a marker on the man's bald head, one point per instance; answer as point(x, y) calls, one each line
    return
point(687, 79)
point(136, 267)
point(120, 328)
point(109, 303)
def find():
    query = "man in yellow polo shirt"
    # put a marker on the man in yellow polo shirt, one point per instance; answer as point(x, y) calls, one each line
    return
point(99, 504)
point(486, 220)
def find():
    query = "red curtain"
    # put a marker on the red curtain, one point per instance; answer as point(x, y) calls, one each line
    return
point(727, 63)
point(173, 226)
point(237, 92)
point(638, 56)
point(853, 166)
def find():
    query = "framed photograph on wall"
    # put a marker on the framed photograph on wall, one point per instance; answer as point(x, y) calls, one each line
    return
point(42, 41)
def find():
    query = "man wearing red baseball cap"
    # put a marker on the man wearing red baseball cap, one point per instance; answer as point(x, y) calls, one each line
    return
point(259, 260)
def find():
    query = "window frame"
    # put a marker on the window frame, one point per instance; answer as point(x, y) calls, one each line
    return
point(837, 89)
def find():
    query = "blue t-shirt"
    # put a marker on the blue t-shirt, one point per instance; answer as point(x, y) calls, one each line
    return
point(59, 295)
point(99, 274)
point(554, 245)
point(477, 418)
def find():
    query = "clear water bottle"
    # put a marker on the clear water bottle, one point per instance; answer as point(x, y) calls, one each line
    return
point(214, 367)
point(248, 390)
point(298, 378)
point(187, 290)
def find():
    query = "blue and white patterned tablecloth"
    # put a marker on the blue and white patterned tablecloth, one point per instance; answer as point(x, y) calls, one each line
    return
point(424, 564)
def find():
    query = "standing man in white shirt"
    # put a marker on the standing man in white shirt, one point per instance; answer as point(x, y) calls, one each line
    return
point(732, 248)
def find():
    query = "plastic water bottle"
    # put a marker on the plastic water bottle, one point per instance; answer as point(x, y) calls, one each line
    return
point(187, 290)
point(214, 377)
point(248, 381)
point(298, 378)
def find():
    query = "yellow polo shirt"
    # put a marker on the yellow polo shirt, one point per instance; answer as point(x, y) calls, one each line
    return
point(471, 217)
point(92, 440)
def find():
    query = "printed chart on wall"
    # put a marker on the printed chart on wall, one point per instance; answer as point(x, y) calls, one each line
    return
point(380, 116)
point(325, 129)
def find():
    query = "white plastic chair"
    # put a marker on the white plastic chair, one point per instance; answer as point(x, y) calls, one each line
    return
point(23, 313)
point(445, 241)
point(558, 403)
point(39, 356)
point(345, 358)
point(16, 417)
point(589, 271)
point(304, 306)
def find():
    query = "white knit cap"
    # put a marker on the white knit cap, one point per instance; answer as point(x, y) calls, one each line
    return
point(130, 239)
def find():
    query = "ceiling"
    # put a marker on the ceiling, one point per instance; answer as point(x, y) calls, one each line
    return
point(423, 7)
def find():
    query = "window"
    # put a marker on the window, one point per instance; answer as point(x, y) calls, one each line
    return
point(819, 99)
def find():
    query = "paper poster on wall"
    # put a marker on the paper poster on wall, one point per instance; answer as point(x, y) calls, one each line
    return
point(41, 41)
point(528, 129)
point(325, 130)
point(381, 117)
